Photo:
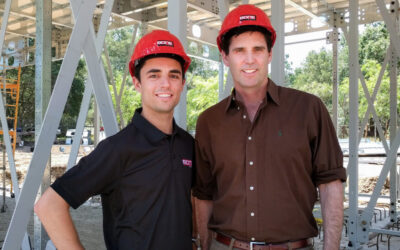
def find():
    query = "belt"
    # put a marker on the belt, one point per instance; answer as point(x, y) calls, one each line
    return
point(256, 245)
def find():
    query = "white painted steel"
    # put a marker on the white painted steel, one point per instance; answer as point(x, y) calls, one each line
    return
point(4, 22)
point(335, 76)
point(390, 25)
point(278, 56)
point(98, 78)
point(353, 220)
point(23, 208)
point(42, 97)
point(393, 121)
point(80, 124)
point(177, 20)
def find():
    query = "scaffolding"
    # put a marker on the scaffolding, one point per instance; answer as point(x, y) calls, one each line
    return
point(9, 87)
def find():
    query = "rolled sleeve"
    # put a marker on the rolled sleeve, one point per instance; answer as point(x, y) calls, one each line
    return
point(327, 154)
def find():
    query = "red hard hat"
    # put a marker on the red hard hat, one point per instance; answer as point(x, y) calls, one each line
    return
point(158, 42)
point(244, 15)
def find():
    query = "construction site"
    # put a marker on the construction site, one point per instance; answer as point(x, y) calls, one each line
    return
point(46, 45)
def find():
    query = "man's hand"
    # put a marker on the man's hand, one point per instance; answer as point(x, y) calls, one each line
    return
point(331, 195)
point(54, 214)
point(203, 214)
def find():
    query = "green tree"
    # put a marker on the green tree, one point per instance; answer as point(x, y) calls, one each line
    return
point(130, 100)
point(202, 95)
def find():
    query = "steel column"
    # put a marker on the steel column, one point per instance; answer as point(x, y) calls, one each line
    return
point(393, 115)
point(177, 20)
point(390, 25)
point(23, 208)
point(353, 127)
point(278, 56)
point(4, 124)
point(335, 74)
point(4, 22)
point(224, 89)
point(42, 97)
point(221, 81)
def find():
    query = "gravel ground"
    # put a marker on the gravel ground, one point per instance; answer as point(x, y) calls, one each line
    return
point(88, 218)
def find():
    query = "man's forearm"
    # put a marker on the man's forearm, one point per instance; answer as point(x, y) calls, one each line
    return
point(203, 214)
point(54, 214)
point(332, 213)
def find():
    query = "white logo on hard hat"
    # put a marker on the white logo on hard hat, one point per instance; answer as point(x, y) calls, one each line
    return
point(248, 18)
point(165, 43)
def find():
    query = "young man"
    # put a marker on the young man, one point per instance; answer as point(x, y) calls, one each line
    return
point(262, 153)
point(143, 173)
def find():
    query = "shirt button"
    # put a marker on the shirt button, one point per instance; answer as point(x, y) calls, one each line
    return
point(244, 116)
point(253, 239)
point(251, 188)
point(251, 214)
point(249, 138)
point(251, 163)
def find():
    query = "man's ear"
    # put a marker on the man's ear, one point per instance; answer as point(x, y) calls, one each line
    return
point(137, 84)
point(270, 56)
point(225, 58)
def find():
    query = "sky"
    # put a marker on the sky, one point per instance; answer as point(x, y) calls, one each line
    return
point(299, 51)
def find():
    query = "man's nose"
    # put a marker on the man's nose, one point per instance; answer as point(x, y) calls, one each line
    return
point(165, 81)
point(249, 57)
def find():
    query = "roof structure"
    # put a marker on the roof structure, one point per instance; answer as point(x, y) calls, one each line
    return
point(301, 16)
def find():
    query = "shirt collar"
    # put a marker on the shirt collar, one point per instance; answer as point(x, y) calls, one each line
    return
point(272, 94)
point(148, 129)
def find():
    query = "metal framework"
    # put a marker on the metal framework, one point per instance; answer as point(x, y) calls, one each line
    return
point(73, 35)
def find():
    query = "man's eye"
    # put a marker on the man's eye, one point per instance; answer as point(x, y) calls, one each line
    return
point(153, 76)
point(175, 76)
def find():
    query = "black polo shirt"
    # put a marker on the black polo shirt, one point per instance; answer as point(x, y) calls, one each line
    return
point(144, 178)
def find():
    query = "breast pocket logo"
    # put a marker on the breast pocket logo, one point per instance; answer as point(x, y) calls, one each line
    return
point(187, 163)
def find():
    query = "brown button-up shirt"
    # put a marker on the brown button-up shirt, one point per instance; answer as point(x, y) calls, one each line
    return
point(262, 175)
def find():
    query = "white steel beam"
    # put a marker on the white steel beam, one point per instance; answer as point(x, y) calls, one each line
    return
point(367, 214)
point(393, 116)
point(353, 228)
point(177, 21)
point(4, 22)
point(51, 120)
point(278, 52)
point(4, 125)
point(98, 78)
point(390, 25)
point(87, 94)
point(335, 75)
point(224, 90)
point(42, 97)
point(221, 76)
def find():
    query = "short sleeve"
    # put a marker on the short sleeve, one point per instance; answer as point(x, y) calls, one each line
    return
point(327, 155)
point(204, 180)
point(96, 173)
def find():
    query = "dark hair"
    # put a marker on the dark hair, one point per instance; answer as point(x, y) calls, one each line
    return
point(140, 62)
point(226, 38)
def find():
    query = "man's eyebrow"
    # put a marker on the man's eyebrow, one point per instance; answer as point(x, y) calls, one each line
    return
point(175, 71)
point(153, 71)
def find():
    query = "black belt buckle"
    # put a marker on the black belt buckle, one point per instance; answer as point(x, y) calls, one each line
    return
point(252, 243)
